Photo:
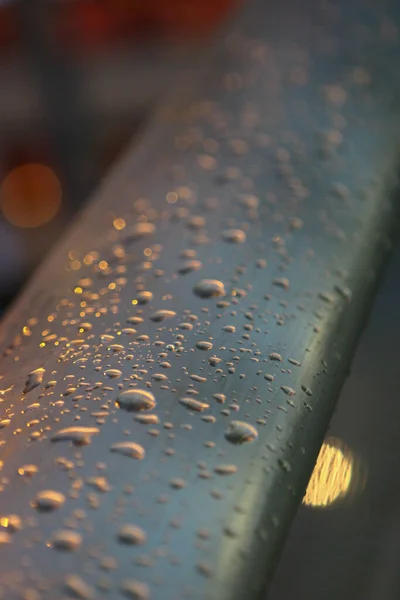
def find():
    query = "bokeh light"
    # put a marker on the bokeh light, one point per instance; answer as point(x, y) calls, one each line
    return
point(30, 195)
point(332, 475)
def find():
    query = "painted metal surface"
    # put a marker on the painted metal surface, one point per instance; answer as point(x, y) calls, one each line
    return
point(256, 218)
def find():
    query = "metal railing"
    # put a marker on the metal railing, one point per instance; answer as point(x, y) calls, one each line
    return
point(170, 371)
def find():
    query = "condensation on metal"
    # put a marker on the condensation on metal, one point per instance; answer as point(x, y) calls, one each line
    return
point(224, 270)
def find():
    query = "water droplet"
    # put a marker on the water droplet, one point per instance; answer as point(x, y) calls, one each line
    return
point(282, 282)
point(144, 297)
point(135, 590)
point(288, 390)
point(220, 398)
point(209, 288)
point(240, 432)
point(35, 378)
point(275, 356)
point(140, 230)
point(28, 470)
point(284, 465)
point(77, 435)
point(66, 539)
point(147, 419)
point(225, 469)
point(235, 236)
point(131, 535)
point(99, 483)
point(177, 483)
point(48, 500)
point(113, 373)
point(193, 404)
point(135, 320)
point(204, 345)
point(162, 315)
point(76, 587)
point(11, 523)
point(189, 266)
point(136, 400)
point(129, 449)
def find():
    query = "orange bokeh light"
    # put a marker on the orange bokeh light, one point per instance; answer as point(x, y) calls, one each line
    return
point(30, 195)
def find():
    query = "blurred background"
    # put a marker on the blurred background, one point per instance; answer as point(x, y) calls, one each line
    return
point(77, 80)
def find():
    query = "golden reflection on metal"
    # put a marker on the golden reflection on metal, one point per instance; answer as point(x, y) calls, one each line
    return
point(30, 195)
point(332, 475)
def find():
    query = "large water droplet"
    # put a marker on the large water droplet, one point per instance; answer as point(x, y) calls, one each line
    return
point(35, 378)
point(240, 432)
point(209, 288)
point(48, 500)
point(129, 449)
point(66, 539)
point(136, 400)
point(77, 435)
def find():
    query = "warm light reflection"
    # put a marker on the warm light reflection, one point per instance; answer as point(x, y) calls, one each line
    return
point(332, 474)
point(30, 195)
point(119, 224)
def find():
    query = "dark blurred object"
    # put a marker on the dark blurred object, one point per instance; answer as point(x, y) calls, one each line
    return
point(78, 77)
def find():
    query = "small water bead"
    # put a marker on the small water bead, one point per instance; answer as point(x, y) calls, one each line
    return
point(99, 483)
point(294, 362)
point(220, 398)
point(162, 315)
point(135, 590)
point(204, 345)
point(144, 297)
point(234, 236)
point(209, 288)
point(113, 373)
point(135, 320)
point(128, 331)
point(48, 500)
point(11, 523)
point(77, 435)
point(275, 356)
point(67, 540)
point(189, 266)
point(136, 400)
point(282, 282)
point(35, 378)
point(130, 449)
point(147, 419)
point(131, 535)
point(76, 587)
point(159, 377)
point(192, 404)
point(225, 469)
point(140, 230)
point(288, 390)
point(239, 432)
point(177, 483)
point(28, 470)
